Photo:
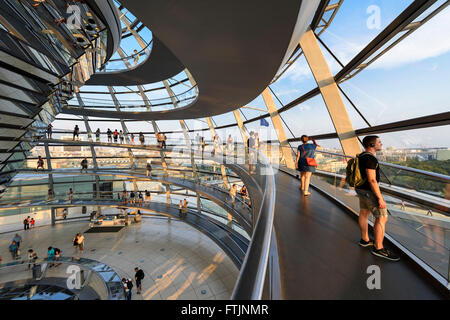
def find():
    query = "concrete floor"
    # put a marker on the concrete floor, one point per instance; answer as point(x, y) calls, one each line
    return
point(179, 262)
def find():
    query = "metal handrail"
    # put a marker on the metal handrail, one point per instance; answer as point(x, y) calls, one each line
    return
point(84, 262)
point(251, 280)
point(133, 55)
point(438, 176)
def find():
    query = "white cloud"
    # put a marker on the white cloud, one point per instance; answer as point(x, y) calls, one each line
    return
point(298, 71)
point(429, 41)
point(305, 107)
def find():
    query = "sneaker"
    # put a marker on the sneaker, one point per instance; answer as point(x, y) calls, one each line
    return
point(385, 253)
point(364, 243)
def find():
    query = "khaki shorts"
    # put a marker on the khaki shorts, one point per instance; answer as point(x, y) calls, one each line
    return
point(368, 201)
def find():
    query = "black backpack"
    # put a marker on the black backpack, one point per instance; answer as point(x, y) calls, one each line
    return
point(129, 284)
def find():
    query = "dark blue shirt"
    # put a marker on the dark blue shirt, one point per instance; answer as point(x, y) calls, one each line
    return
point(310, 150)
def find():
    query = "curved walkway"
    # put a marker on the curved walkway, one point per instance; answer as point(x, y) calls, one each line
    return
point(242, 214)
point(159, 65)
point(179, 262)
point(233, 243)
point(232, 59)
point(320, 258)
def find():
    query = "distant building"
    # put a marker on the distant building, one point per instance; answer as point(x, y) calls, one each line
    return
point(70, 148)
point(443, 155)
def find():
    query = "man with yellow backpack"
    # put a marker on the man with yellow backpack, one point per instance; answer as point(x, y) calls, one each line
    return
point(363, 173)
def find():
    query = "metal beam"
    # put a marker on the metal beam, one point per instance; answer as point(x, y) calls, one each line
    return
point(281, 134)
point(330, 93)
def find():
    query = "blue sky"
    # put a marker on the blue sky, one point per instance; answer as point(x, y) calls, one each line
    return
point(409, 81)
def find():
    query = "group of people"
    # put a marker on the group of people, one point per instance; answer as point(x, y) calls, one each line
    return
point(371, 200)
point(78, 243)
point(243, 192)
point(28, 222)
point(116, 135)
point(161, 138)
point(128, 283)
point(182, 207)
point(53, 254)
point(14, 247)
point(253, 147)
point(200, 142)
point(143, 198)
point(40, 163)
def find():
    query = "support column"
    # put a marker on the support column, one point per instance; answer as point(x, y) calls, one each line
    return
point(50, 181)
point(222, 166)
point(93, 154)
point(281, 134)
point(330, 93)
point(146, 101)
point(125, 132)
point(244, 135)
point(188, 141)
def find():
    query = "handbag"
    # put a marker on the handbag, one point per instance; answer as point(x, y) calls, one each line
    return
point(309, 161)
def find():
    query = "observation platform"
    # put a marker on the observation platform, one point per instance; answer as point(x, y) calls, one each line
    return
point(317, 239)
point(320, 258)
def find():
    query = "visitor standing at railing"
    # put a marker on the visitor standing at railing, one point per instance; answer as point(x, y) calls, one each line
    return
point(84, 165)
point(163, 140)
point(180, 207)
point(121, 136)
point(97, 135)
point(305, 162)
point(49, 195)
point(244, 193)
point(49, 130)
point(233, 191)
point(70, 195)
point(132, 138)
point(40, 163)
point(132, 198)
point(141, 138)
point(203, 145)
point(136, 57)
point(229, 143)
point(371, 200)
point(115, 135)
point(140, 198)
point(185, 205)
point(149, 169)
point(251, 144)
point(124, 197)
point(109, 134)
point(76, 133)
point(148, 197)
